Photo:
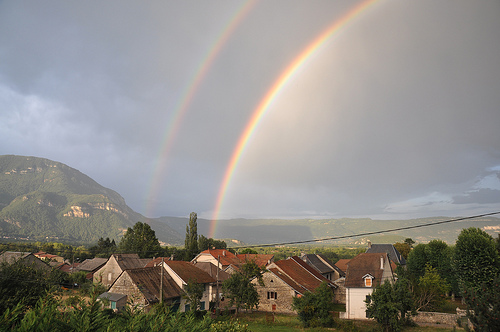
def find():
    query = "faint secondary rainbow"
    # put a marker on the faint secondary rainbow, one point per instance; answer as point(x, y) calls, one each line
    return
point(174, 123)
point(272, 94)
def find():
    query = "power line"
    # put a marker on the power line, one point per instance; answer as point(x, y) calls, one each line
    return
point(369, 233)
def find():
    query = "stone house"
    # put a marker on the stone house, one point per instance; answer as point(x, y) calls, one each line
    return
point(91, 266)
point(283, 281)
point(26, 258)
point(142, 287)
point(183, 272)
point(115, 265)
point(364, 272)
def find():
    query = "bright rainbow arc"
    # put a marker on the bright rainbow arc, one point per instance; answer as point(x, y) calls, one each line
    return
point(186, 100)
point(271, 95)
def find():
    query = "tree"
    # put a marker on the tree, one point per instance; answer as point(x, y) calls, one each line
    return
point(476, 259)
point(431, 290)
point(194, 293)
point(204, 243)
point(390, 304)
point(409, 241)
point(239, 289)
point(314, 308)
point(191, 241)
point(483, 306)
point(403, 248)
point(140, 239)
point(22, 283)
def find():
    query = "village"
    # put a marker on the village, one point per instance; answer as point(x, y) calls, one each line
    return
point(222, 281)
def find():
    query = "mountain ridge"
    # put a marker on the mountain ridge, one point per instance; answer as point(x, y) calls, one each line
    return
point(42, 200)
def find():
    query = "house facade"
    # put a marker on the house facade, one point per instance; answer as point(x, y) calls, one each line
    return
point(364, 272)
point(142, 287)
point(182, 273)
point(283, 281)
point(115, 265)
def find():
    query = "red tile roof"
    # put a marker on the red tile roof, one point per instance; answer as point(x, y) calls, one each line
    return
point(286, 279)
point(301, 273)
point(259, 259)
point(157, 261)
point(342, 264)
point(187, 272)
point(226, 257)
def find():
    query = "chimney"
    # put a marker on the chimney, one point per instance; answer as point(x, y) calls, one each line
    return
point(224, 253)
point(369, 244)
point(381, 262)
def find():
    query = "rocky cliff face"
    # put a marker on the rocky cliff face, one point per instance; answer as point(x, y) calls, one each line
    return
point(40, 199)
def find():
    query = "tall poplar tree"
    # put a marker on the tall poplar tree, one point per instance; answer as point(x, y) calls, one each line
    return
point(191, 242)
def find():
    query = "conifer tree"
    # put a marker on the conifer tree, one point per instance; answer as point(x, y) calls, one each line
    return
point(191, 242)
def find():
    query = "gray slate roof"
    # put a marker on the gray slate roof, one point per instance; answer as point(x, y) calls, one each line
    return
point(115, 297)
point(390, 250)
point(91, 264)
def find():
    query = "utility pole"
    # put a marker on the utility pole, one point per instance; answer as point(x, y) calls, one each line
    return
point(161, 282)
point(217, 283)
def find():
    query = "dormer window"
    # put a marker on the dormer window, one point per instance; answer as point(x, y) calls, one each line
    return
point(368, 280)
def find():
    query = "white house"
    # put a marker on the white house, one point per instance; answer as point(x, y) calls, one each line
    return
point(364, 272)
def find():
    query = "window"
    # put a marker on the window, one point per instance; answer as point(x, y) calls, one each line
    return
point(272, 295)
point(202, 305)
point(368, 282)
point(113, 305)
point(110, 276)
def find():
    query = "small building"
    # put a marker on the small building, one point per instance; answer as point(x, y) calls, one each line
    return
point(49, 257)
point(26, 258)
point(184, 272)
point(283, 281)
point(115, 301)
point(115, 265)
point(91, 266)
point(142, 287)
point(364, 272)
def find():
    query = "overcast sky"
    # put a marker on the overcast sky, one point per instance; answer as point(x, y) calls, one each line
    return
point(395, 116)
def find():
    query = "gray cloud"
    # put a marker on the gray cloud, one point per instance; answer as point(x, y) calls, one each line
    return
point(397, 114)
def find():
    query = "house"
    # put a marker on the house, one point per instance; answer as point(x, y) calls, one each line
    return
point(49, 257)
point(324, 266)
point(91, 266)
point(230, 262)
point(115, 265)
point(184, 272)
point(364, 272)
point(115, 301)
point(26, 258)
point(142, 287)
point(283, 281)
point(219, 257)
point(389, 249)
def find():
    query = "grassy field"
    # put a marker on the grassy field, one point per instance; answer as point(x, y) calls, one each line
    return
point(260, 322)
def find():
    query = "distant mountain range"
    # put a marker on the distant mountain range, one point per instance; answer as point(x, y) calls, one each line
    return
point(44, 200)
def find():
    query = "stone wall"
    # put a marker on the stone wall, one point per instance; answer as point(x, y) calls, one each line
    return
point(441, 318)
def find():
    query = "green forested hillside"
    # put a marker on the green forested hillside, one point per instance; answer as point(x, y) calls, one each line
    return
point(42, 199)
